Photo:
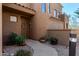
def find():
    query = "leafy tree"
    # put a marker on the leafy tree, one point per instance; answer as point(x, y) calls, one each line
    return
point(77, 13)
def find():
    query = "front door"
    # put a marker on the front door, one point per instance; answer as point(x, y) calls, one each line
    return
point(25, 26)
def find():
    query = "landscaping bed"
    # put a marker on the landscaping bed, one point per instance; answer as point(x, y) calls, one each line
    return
point(16, 46)
point(12, 50)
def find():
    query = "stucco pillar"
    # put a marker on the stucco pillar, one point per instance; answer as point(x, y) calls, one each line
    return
point(0, 29)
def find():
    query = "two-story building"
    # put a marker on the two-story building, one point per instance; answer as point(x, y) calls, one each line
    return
point(32, 20)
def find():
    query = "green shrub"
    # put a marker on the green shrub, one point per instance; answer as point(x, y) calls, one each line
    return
point(19, 40)
point(11, 39)
point(53, 40)
point(23, 53)
point(16, 39)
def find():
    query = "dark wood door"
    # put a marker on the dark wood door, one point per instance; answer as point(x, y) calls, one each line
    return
point(25, 26)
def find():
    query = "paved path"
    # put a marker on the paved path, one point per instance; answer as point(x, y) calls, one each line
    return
point(47, 49)
point(62, 50)
point(41, 49)
point(77, 48)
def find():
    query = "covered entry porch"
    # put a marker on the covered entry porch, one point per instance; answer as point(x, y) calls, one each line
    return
point(17, 19)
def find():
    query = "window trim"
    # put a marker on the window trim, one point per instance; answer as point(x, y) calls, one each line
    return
point(58, 13)
point(55, 12)
point(11, 18)
point(43, 7)
point(49, 8)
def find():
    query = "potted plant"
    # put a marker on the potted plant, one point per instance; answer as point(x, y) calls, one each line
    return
point(42, 39)
point(53, 40)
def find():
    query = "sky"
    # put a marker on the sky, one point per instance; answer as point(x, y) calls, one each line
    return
point(69, 9)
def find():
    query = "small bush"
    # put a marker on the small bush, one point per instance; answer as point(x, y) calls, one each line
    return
point(11, 39)
point(19, 40)
point(15, 39)
point(23, 53)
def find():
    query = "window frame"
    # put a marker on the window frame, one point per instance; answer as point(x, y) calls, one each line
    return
point(55, 12)
point(58, 13)
point(49, 8)
point(11, 17)
point(43, 7)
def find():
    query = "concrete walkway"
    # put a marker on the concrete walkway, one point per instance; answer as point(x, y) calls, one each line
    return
point(41, 49)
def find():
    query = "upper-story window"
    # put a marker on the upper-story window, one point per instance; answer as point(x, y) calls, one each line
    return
point(43, 7)
point(58, 14)
point(49, 9)
point(56, 4)
point(55, 13)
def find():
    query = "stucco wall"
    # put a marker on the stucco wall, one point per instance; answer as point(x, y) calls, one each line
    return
point(9, 26)
point(61, 35)
point(55, 24)
point(56, 6)
point(0, 29)
point(41, 22)
point(76, 31)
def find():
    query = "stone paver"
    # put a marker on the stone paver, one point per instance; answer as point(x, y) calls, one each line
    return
point(41, 49)
point(62, 50)
point(44, 49)
point(77, 49)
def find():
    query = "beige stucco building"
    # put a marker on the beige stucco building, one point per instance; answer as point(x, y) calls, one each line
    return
point(33, 20)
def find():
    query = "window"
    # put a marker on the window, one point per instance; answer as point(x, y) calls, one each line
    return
point(58, 14)
point(56, 4)
point(43, 7)
point(13, 19)
point(49, 9)
point(55, 13)
point(67, 25)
